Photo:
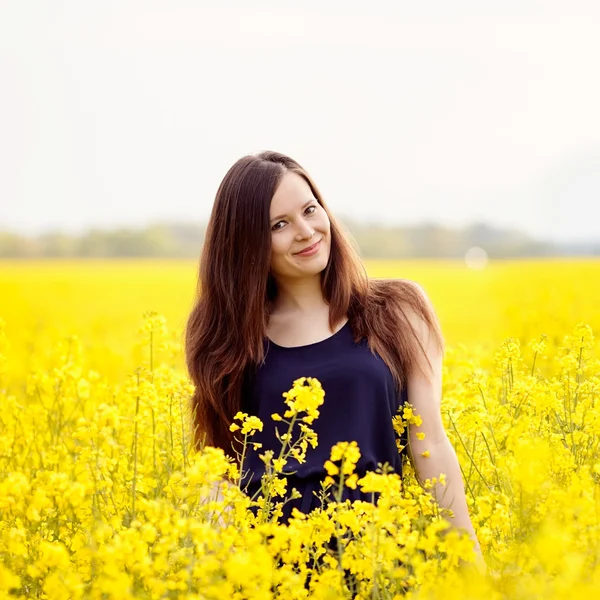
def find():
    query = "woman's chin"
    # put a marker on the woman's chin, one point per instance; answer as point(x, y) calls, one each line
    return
point(316, 268)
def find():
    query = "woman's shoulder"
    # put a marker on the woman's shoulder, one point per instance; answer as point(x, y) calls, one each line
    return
point(406, 297)
point(397, 289)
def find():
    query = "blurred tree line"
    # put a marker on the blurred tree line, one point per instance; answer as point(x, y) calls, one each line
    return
point(179, 240)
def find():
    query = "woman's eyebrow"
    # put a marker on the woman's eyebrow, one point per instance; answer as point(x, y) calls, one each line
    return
point(303, 206)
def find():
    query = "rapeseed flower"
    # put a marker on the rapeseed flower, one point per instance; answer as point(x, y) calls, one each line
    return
point(101, 494)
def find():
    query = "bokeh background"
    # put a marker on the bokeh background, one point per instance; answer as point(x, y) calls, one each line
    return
point(458, 143)
point(452, 123)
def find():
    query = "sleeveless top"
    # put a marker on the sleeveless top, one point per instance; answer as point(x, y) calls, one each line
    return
point(359, 403)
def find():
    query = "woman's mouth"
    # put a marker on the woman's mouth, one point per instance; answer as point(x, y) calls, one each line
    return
point(310, 250)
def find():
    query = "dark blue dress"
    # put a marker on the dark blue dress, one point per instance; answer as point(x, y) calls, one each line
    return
point(360, 401)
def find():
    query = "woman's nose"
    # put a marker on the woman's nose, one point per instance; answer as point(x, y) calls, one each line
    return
point(305, 231)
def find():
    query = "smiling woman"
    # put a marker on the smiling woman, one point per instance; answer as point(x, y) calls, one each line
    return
point(284, 295)
point(300, 230)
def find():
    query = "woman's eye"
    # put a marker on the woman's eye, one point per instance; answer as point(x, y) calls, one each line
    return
point(275, 228)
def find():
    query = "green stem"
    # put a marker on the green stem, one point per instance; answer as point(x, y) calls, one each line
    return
point(135, 441)
point(467, 453)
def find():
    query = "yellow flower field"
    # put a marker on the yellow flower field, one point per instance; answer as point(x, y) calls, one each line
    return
point(102, 497)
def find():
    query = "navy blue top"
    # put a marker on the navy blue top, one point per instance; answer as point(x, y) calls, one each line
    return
point(360, 401)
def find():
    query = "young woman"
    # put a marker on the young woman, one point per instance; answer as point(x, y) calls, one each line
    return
point(282, 295)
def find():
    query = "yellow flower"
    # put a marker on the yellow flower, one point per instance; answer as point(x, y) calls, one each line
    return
point(331, 468)
point(298, 514)
point(299, 455)
point(347, 450)
point(351, 481)
point(267, 457)
point(304, 398)
point(373, 482)
point(252, 424)
point(529, 426)
point(279, 486)
point(279, 463)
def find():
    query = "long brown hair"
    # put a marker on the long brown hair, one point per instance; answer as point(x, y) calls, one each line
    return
point(226, 328)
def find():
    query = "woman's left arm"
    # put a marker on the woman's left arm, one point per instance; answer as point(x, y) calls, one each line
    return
point(430, 449)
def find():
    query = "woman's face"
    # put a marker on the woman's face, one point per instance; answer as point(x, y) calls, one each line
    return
point(297, 222)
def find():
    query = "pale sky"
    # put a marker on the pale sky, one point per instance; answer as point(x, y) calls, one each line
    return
point(127, 112)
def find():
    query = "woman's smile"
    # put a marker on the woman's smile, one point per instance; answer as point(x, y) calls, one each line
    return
point(310, 251)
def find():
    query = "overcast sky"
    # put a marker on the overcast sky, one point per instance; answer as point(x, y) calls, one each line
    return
point(126, 112)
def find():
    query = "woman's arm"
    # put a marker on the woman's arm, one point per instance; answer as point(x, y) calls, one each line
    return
point(432, 453)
